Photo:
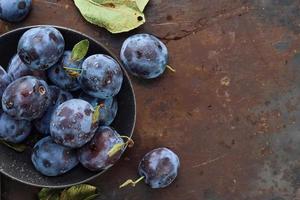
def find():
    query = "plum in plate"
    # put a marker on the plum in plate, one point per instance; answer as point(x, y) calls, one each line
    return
point(52, 159)
point(60, 76)
point(57, 97)
point(26, 98)
point(95, 154)
point(17, 69)
point(73, 124)
point(12, 130)
point(108, 108)
point(101, 76)
point(40, 48)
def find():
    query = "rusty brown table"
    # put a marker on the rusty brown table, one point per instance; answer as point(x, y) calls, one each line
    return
point(231, 111)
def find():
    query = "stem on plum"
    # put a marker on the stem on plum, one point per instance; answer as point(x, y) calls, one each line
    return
point(73, 72)
point(74, 69)
point(171, 68)
point(119, 146)
point(131, 182)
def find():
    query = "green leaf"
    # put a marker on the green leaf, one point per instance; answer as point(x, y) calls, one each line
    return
point(17, 147)
point(92, 197)
point(142, 4)
point(80, 50)
point(116, 16)
point(79, 192)
point(49, 194)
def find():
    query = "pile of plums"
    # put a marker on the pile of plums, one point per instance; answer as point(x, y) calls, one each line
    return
point(72, 102)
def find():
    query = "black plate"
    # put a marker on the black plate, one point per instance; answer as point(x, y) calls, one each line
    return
point(18, 166)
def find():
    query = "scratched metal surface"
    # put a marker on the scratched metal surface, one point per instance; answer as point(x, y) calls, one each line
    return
point(231, 111)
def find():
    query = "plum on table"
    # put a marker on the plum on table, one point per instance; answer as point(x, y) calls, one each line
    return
point(144, 56)
point(14, 10)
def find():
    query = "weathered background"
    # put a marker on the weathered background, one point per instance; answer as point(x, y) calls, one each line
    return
point(232, 110)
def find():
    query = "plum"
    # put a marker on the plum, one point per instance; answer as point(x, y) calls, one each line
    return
point(108, 108)
point(101, 76)
point(17, 69)
point(52, 159)
point(26, 98)
point(95, 154)
point(40, 48)
point(14, 10)
point(72, 123)
point(159, 167)
point(5, 80)
point(12, 130)
point(144, 56)
point(57, 97)
point(59, 75)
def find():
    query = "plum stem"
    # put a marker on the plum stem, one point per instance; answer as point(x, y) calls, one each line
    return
point(74, 69)
point(119, 146)
point(131, 182)
point(171, 68)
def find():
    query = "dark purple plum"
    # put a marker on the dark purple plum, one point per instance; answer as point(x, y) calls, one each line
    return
point(14, 10)
point(144, 56)
point(40, 48)
point(26, 98)
point(159, 167)
point(108, 108)
point(12, 130)
point(17, 69)
point(60, 76)
point(52, 159)
point(57, 97)
point(101, 76)
point(72, 123)
point(5, 80)
point(94, 155)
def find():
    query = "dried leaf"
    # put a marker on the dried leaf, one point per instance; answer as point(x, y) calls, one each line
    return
point(49, 194)
point(79, 192)
point(17, 147)
point(80, 50)
point(116, 16)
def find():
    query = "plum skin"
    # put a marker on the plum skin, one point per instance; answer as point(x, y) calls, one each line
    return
point(94, 155)
point(17, 69)
point(60, 77)
point(72, 123)
point(144, 56)
point(12, 130)
point(159, 167)
point(40, 48)
point(5, 80)
point(101, 76)
point(14, 10)
point(108, 108)
point(57, 97)
point(26, 98)
point(52, 159)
